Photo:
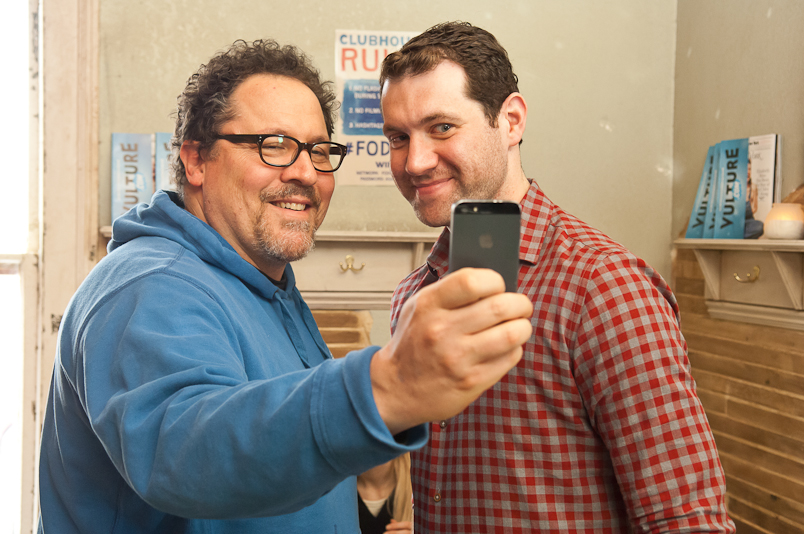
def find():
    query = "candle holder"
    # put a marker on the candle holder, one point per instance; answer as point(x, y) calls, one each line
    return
point(785, 221)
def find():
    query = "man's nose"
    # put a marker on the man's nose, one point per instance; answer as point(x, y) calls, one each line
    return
point(302, 170)
point(421, 156)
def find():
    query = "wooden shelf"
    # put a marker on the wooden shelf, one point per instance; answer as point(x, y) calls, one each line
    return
point(756, 281)
point(781, 245)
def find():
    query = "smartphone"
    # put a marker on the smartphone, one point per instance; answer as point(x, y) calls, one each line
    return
point(485, 233)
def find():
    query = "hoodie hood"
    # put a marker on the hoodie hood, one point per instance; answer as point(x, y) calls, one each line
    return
point(166, 218)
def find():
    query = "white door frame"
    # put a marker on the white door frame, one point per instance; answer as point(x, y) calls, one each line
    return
point(64, 193)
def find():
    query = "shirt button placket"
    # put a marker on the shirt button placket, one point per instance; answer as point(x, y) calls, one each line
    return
point(437, 496)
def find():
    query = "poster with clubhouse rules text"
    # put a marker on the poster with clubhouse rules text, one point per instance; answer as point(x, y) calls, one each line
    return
point(358, 58)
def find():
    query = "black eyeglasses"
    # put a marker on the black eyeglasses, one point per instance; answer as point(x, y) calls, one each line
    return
point(283, 150)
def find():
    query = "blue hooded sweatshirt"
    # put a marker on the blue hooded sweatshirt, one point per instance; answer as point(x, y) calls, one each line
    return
point(190, 395)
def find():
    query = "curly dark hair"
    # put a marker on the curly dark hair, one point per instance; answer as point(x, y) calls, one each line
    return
point(204, 105)
point(490, 77)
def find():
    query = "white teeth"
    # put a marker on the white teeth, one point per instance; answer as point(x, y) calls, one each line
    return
point(291, 206)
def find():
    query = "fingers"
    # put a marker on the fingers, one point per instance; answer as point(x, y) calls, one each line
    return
point(495, 352)
point(501, 339)
point(474, 299)
point(456, 339)
point(491, 311)
point(481, 342)
point(464, 287)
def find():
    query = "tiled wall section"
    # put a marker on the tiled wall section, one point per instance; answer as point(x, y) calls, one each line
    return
point(751, 382)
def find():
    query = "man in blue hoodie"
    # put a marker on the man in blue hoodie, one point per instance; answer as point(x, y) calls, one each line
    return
point(192, 391)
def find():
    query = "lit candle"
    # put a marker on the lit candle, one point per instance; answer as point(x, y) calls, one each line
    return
point(785, 221)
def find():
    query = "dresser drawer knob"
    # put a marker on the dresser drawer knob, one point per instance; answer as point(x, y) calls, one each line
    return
point(749, 278)
point(350, 264)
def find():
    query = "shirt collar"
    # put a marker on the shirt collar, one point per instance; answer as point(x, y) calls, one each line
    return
point(536, 213)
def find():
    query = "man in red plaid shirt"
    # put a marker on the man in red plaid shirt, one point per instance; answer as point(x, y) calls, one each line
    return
point(598, 428)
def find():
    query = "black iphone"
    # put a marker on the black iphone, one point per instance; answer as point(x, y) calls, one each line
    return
point(485, 233)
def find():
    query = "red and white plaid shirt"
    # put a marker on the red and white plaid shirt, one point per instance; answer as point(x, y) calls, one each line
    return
point(598, 428)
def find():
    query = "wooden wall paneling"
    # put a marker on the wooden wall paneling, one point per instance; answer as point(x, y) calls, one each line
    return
point(773, 442)
point(758, 336)
point(758, 374)
point(773, 483)
point(713, 402)
point(769, 459)
point(747, 528)
point(748, 351)
point(760, 517)
point(760, 395)
point(750, 379)
point(776, 421)
point(766, 499)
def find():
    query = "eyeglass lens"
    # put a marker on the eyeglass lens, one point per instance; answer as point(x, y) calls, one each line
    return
point(281, 151)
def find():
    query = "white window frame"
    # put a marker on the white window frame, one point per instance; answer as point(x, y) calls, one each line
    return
point(64, 201)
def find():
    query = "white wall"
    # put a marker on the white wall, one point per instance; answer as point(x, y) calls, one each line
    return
point(739, 73)
point(597, 76)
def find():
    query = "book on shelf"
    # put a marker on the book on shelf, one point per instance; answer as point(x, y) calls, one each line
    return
point(695, 228)
point(162, 162)
point(132, 171)
point(732, 176)
point(714, 194)
point(743, 180)
point(764, 176)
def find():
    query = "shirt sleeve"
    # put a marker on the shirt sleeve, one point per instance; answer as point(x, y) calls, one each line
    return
point(634, 376)
point(168, 389)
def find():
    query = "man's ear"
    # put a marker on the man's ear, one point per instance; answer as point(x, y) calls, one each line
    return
point(193, 159)
point(513, 116)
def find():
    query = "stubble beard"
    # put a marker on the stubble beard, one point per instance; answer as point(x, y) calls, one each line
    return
point(483, 180)
point(295, 242)
point(291, 241)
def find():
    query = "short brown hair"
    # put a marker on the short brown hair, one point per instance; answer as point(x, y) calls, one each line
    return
point(490, 77)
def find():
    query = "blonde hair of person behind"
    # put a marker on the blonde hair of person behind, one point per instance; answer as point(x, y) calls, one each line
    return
point(403, 494)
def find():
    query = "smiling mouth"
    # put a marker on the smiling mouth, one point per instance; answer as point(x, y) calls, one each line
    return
point(430, 186)
point(292, 197)
point(290, 206)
